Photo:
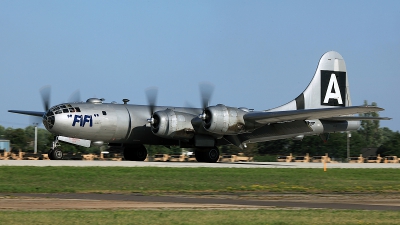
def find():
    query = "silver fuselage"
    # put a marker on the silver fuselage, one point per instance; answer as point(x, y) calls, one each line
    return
point(126, 123)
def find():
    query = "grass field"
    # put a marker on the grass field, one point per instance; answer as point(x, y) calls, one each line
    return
point(148, 180)
point(220, 217)
point(151, 180)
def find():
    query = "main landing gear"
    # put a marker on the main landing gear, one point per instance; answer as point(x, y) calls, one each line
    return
point(135, 152)
point(210, 155)
point(55, 152)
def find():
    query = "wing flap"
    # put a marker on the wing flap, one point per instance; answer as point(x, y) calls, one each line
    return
point(357, 118)
point(307, 114)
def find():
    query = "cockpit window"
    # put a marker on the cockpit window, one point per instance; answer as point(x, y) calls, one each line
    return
point(104, 113)
point(48, 118)
point(67, 108)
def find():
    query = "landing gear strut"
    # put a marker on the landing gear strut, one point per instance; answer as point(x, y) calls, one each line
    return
point(210, 155)
point(55, 152)
point(135, 152)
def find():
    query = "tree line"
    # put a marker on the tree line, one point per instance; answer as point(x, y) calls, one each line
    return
point(370, 135)
point(24, 139)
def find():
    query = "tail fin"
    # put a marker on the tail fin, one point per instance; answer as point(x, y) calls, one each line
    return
point(328, 88)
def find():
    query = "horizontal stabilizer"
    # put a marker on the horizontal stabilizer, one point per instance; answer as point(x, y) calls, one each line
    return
point(31, 113)
point(306, 114)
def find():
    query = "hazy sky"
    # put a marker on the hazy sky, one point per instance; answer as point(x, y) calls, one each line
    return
point(258, 54)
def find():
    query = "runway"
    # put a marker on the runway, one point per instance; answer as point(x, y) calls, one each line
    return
point(26, 201)
point(98, 163)
point(56, 201)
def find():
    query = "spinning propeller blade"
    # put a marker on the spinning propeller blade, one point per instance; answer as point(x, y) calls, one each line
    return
point(206, 91)
point(151, 94)
point(75, 96)
point(45, 93)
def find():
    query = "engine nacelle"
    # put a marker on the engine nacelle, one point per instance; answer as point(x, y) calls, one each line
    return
point(224, 120)
point(171, 124)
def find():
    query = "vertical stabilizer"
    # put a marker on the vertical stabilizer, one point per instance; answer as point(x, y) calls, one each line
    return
point(328, 88)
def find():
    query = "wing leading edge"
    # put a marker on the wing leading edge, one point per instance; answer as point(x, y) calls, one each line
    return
point(31, 113)
point(309, 114)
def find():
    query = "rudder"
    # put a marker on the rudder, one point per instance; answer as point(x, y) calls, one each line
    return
point(328, 88)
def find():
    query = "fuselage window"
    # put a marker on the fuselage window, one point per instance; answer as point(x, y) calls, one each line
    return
point(104, 113)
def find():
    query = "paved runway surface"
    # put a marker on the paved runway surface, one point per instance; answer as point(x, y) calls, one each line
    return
point(135, 201)
point(193, 164)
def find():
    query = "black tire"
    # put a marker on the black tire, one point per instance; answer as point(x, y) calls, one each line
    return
point(135, 152)
point(50, 154)
point(213, 155)
point(57, 154)
point(199, 155)
point(210, 155)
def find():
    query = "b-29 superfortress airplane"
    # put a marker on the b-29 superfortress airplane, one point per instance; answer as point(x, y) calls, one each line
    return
point(324, 107)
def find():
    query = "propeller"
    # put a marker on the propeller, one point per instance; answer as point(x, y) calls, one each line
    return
point(45, 93)
point(75, 96)
point(151, 94)
point(35, 120)
point(206, 90)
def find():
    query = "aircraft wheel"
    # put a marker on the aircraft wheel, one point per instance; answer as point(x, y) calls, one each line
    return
point(199, 155)
point(135, 152)
point(210, 155)
point(50, 154)
point(56, 154)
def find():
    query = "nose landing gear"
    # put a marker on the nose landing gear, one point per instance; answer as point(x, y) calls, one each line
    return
point(55, 153)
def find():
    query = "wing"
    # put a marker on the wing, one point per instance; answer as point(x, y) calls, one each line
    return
point(31, 113)
point(309, 114)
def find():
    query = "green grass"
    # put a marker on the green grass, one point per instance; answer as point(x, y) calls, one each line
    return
point(153, 180)
point(220, 217)
point(150, 180)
